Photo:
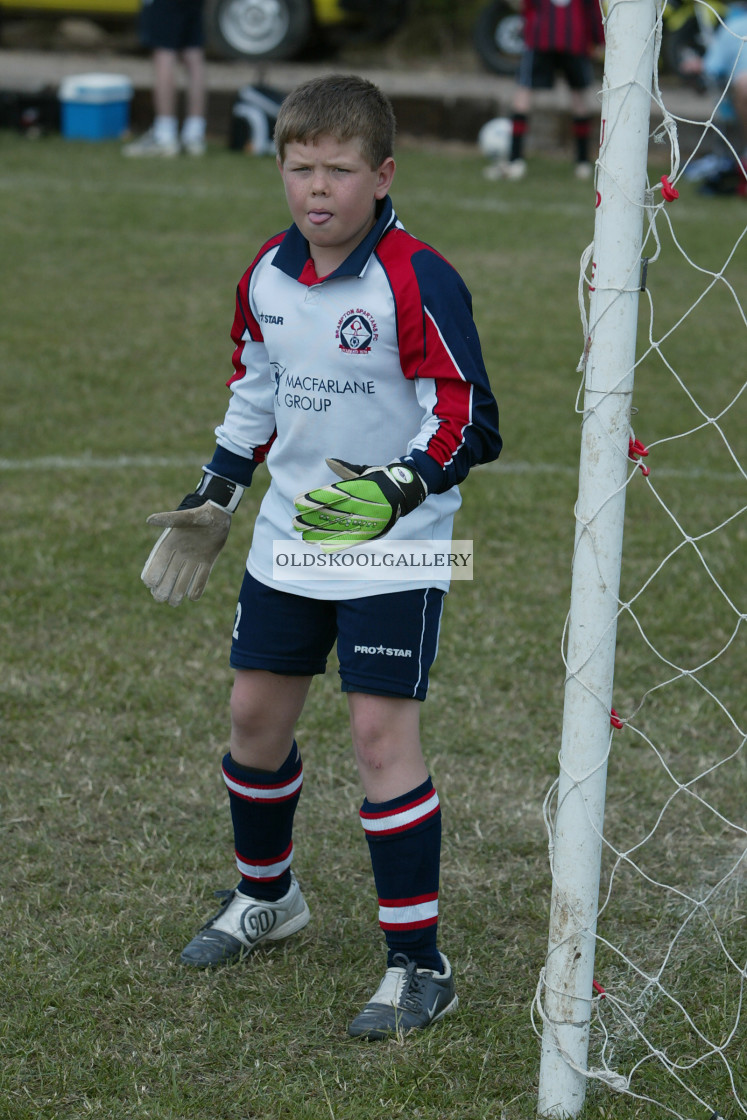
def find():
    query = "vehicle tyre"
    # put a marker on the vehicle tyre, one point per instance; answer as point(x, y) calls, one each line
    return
point(259, 29)
point(498, 36)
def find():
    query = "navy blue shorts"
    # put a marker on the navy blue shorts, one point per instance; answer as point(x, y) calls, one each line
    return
point(537, 69)
point(172, 25)
point(386, 644)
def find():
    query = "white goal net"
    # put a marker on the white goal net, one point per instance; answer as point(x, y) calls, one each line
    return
point(663, 1021)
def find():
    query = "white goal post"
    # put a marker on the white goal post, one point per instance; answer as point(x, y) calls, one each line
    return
point(591, 634)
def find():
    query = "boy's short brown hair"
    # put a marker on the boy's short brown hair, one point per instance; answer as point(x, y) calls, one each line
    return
point(343, 106)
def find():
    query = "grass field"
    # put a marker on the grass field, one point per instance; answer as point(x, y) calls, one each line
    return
point(117, 300)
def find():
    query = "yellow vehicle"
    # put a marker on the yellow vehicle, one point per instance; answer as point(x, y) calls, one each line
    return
point(253, 29)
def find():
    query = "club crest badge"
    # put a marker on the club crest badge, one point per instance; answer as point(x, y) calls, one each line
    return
point(356, 332)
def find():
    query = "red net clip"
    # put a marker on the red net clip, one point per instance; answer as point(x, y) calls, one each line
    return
point(598, 989)
point(637, 451)
point(668, 191)
point(615, 720)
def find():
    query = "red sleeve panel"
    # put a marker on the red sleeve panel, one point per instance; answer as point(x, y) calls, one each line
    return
point(438, 341)
point(244, 322)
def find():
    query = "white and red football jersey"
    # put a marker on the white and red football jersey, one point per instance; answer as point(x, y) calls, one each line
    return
point(378, 361)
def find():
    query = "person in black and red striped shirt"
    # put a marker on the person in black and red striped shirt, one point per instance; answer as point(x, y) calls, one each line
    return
point(560, 36)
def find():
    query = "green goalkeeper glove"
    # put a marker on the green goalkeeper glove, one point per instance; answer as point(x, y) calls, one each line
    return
point(183, 556)
point(363, 507)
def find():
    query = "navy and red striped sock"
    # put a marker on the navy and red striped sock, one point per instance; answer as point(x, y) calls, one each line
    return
point(519, 128)
point(581, 134)
point(262, 810)
point(404, 840)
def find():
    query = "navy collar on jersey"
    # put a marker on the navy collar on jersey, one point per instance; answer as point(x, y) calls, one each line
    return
point(294, 259)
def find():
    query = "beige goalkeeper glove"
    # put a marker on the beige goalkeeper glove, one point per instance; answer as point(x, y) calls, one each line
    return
point(182, 558)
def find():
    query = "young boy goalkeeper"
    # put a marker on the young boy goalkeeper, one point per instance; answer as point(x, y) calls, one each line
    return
point(359, 378)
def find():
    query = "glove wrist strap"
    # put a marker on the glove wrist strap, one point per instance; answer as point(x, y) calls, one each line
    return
point(222, 491)
point(412, 487)
point(216, 489)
